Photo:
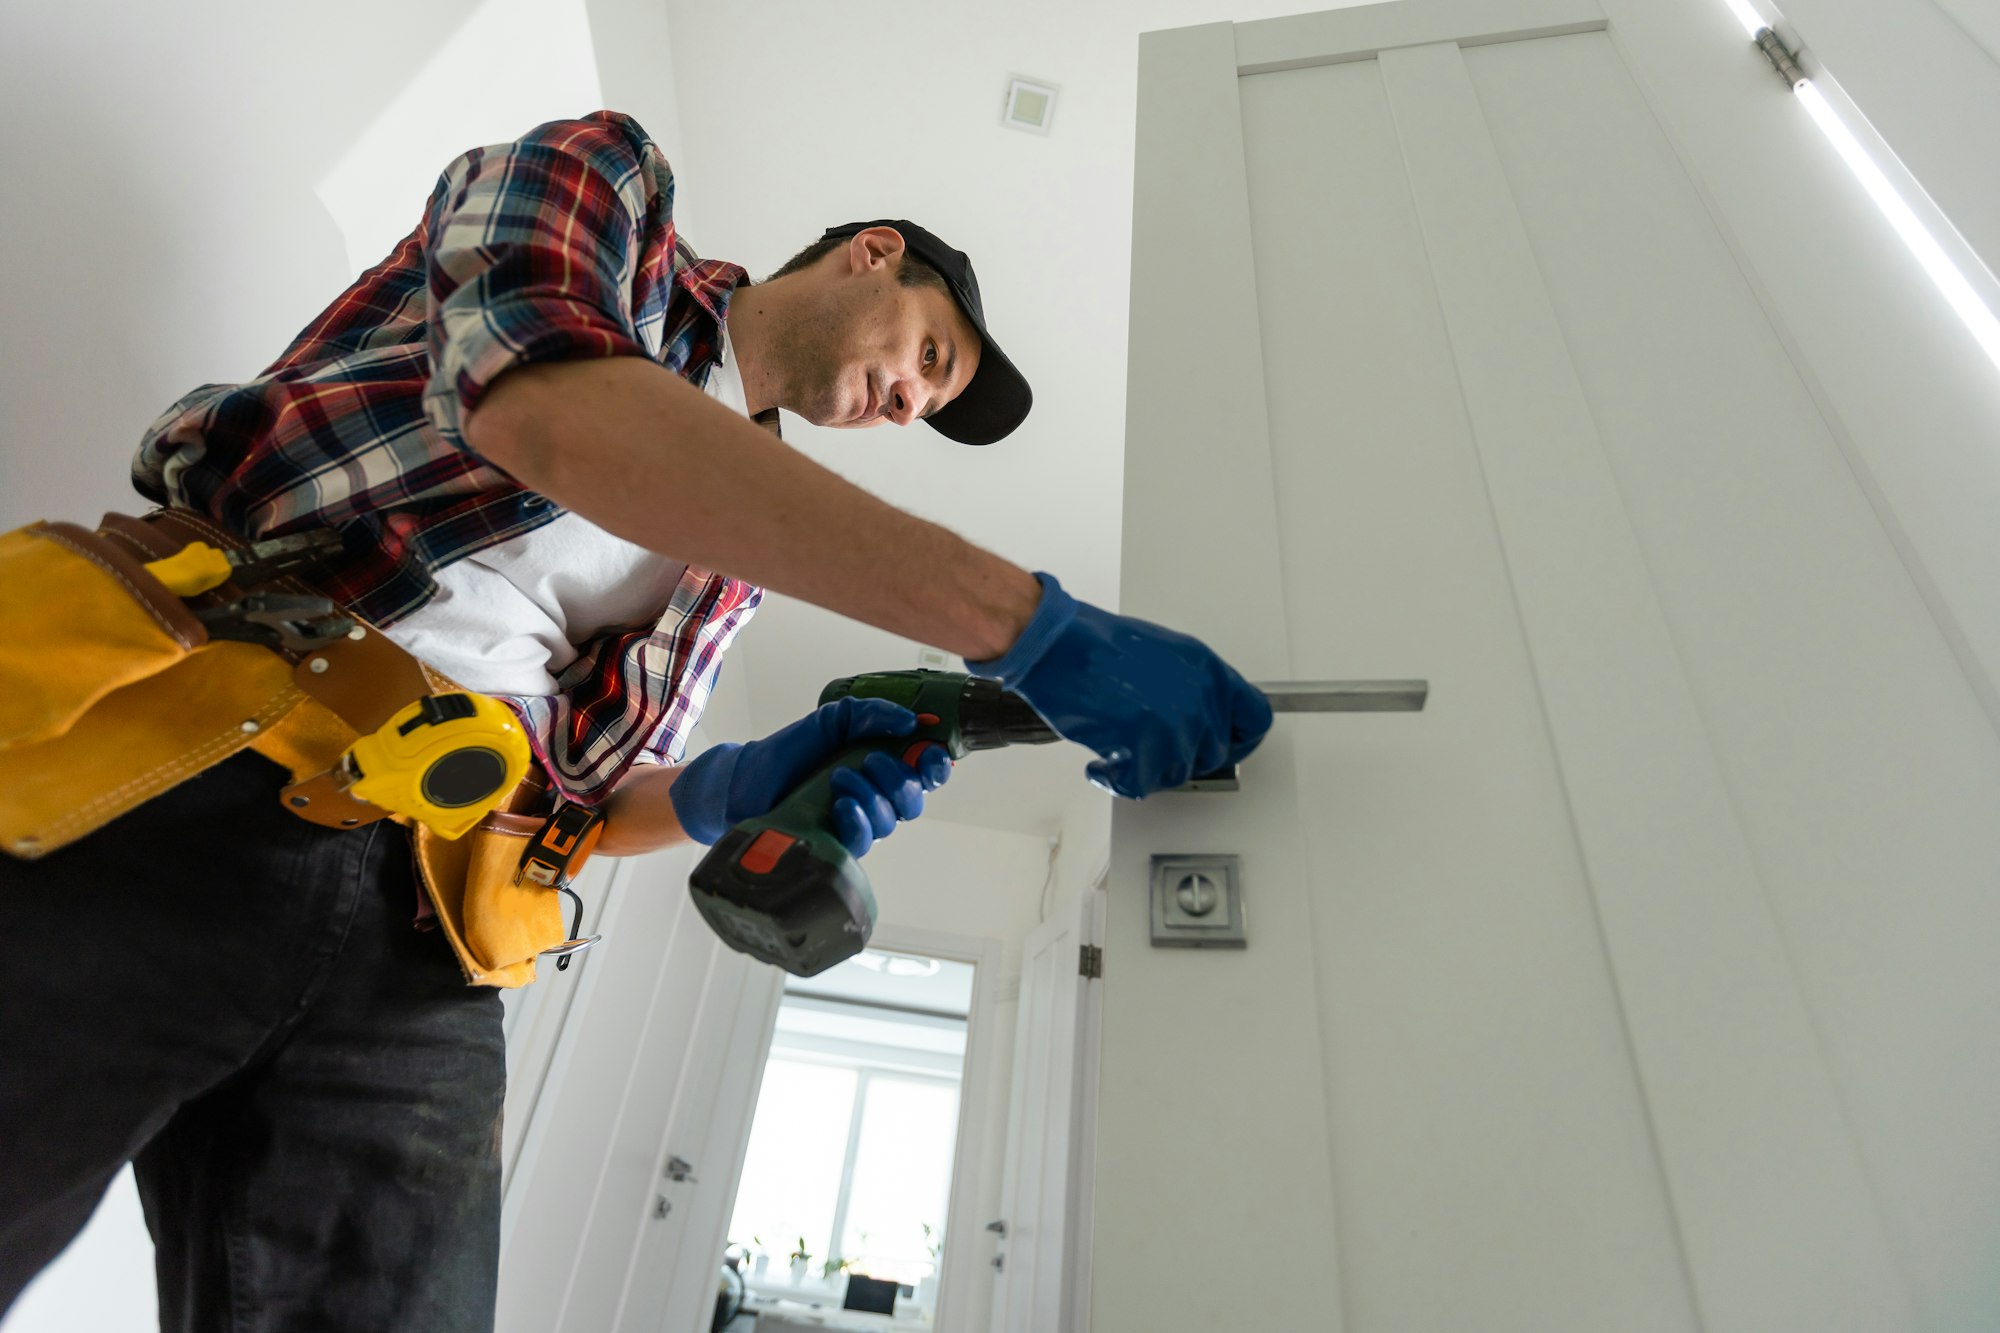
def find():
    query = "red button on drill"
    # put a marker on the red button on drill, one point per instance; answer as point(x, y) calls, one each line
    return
point(928, 719)
point(762, 858)
point(910, 755)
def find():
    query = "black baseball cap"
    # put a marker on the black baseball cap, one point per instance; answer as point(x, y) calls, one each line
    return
point(997, 398)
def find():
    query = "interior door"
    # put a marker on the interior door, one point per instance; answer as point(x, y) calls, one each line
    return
point(630, 1084)
point(1038, 1259)
point(670, 1284)
point(1643, 980)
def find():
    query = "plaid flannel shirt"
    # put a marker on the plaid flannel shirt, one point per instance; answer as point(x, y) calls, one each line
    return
point(557, 246)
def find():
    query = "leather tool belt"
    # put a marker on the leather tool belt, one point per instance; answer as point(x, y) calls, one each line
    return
point(113, 690)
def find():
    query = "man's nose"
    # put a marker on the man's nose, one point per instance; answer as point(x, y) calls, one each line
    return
point(907, 398)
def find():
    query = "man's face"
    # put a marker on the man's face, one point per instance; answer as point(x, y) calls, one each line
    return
point(883, 351)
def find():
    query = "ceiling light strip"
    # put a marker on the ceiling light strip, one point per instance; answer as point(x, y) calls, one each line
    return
point(1950, 281)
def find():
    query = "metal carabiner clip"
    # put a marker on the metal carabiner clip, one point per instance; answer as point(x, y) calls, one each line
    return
point(574, 945)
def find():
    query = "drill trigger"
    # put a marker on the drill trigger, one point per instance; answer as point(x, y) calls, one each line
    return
point(915, 752)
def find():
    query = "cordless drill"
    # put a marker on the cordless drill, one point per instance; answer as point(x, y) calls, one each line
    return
point(781, 887)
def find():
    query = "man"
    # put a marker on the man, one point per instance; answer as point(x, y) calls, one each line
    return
point(533, 426)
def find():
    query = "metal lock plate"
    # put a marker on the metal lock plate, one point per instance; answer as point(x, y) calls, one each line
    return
point(1198, 902)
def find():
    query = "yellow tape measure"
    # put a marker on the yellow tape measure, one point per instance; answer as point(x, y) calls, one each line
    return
point(445, 761)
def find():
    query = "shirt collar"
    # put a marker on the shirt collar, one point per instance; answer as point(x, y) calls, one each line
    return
point(711, 282)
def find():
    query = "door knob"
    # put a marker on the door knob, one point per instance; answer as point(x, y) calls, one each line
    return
point(680, 1171)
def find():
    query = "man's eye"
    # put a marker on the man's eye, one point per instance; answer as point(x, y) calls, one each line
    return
point(930, 354)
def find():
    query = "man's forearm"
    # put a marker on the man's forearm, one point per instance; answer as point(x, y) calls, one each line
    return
point(643, 454)
point(640, 816)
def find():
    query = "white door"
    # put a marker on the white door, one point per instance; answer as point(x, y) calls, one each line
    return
point(639, 1075)
point(670, 1285)
point(1644, 981)
point(1048, 1120)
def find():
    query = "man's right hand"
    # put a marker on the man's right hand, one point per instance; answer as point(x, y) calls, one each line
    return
point(1157, 706)
point(729, 783)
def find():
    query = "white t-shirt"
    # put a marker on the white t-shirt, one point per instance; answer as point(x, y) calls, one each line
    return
point(505, 619)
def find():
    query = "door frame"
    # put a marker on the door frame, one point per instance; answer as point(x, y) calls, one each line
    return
point(982, 1073)
point(726, 1135)
point(1082, 1201)
point(1060, 1292)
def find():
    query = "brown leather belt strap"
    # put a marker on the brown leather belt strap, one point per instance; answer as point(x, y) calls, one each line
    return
point(364, 678)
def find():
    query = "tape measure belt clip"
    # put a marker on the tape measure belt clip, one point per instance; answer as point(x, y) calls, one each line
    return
point(552, 859)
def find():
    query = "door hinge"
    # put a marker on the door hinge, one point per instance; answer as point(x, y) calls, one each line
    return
point(1782, 58)
point(1091, 963)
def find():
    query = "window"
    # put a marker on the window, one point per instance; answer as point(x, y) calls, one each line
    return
point(851, 1149)
point(901, 1179)
point(792, 1172)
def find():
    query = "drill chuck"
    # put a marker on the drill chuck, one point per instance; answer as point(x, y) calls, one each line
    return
point(990, 717)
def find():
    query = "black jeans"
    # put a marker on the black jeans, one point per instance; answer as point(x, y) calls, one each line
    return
point(235, 1001)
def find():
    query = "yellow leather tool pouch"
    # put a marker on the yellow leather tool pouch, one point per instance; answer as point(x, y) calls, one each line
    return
point(83, 618)
point(496, 926)
point(110, 691)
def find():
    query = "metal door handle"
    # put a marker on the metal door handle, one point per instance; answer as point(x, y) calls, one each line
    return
point(998, 1226)
point(680, 1171)
point(1346, 696)
point(1322, 696)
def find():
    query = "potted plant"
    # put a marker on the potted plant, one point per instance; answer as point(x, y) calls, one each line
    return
point(928, 1285)
point(760, 1262)
point(799, 1260)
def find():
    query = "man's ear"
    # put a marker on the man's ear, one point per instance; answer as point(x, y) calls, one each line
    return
point(874, 247)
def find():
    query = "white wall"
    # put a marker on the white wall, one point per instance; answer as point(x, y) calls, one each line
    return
point(934, 875)
point(161, 222)
point(1086, 847)
point(164, 163)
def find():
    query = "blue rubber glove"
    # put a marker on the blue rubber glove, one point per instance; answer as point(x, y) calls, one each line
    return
point(727, 784)
point(1157, 706)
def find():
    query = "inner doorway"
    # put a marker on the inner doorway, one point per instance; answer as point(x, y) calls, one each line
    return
point(840, 1215)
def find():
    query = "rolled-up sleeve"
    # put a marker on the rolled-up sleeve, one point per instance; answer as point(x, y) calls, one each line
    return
point(531, 254)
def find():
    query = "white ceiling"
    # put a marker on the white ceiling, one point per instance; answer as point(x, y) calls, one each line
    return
point(946, 991)
point(816, 114)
